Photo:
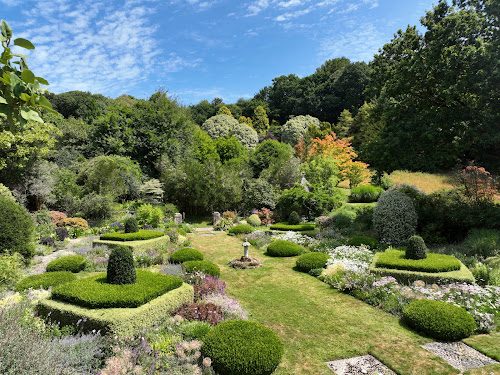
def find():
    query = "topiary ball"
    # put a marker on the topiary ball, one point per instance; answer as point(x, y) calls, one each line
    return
point(416, 248)
point(131, 225)
point(283, 248)
point(254, 220)
point(241, 347)
point(71, 263)
point(17, 229)
point(440, 320)
point(294, 218)
point(311, 261)
point(203, 266)
point(241, 229)
point(121, 268)
point(184, 255)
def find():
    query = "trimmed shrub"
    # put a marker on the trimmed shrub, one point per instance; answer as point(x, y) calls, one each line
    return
point(17, 229)
point(283, 248)
point(45, 280)
point(416, 248)
point(297, 228)
point(140, 235)
point(185, 255)
point(396, 259)
point(365, 194)
point(75, 222)
point(71, 263)
point(440, 320)
point(311, 261)
point(131, 225)
point(144, 245)
point(241, 229)
point(363, 240)
point(203, 266)
point(61, 233)
point(254, 220)
point(121, 268)
point(96, 292)
point(294, 218)
point(394, 218)
point(241, 347)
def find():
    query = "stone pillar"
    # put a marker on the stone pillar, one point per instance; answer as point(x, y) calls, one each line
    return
point(178, 218)
point(215, 217)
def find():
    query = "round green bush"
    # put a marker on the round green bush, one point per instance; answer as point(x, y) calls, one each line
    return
point(294, 218)
point(394, 218)
point(283, 248)
point(45, 280)
point(363, 240)
point(204, 266)
point(17, 229)
point(185, 255)
point(254, 220)
point(71, 263)
point(131, 225)
point(121, 268)
point(241, 229)
point(311, 261)
point(440, 320)
point(241, 347)
point(416, 248)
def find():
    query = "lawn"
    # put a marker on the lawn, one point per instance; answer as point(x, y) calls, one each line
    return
point(317, 323)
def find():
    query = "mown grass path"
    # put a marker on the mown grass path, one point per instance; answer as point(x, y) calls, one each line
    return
point(317, 323)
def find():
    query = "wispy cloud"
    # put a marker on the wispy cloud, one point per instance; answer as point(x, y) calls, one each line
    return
point(290, 15)
point(256, 7)
point(196, 95)
point(291, 3)
point(197, 4)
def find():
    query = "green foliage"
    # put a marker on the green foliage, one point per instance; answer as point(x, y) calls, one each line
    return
point(259, 193)
point(283, 248)
point(71, 263)
point(241, 229)
point(440, 320)
point(131, 225)
point(147, 214)
point(343, 218)
point(11, 270)
point(6, 193)
point(363, 240)
point(223, 224)
point(311, 261)
point(229, 149)
point(223, 110)
point(185, 255)
point(246, 135)
point(158, 243)
point(121, 269)
point(394, 218)
point(483, 243)
point(173, 235)
point(365, 194)
point(295, 128)
point(95, 206)
point(416, 248)
point(151, 191)
point(260, 121)
point(170, 210)
point(243, 347)
point(17, 229)
point(202, 266)
point(219, 125)
point(45, 280)
point(195, 330)
point(140, 235)
point(294, 218)
point(433, 263)
point(297, 228)
point(267, 153)
point(96, 292)
point(254, 220)
point(322, 173)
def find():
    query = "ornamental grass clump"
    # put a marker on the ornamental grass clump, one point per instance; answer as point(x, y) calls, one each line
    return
point(282, 248)
point(72, 263)
point(311, 261)
point(416, 248)
point(121, 269)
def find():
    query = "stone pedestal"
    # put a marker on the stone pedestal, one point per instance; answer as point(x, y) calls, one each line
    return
point(215, 217)
point(178, 218)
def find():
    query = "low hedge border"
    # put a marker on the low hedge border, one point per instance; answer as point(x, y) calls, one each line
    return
point(310, 261)
point(120, 321)
point(144, 245)
point(141, 235)
point(72, 263)
point(396, 259)
point(185, 254)
point(45, 280)
point(297, 228)
point(464, 275)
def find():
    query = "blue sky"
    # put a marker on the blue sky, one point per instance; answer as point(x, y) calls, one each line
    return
point(198, 49)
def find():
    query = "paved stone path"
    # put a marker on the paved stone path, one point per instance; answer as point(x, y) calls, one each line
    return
point(42, 260)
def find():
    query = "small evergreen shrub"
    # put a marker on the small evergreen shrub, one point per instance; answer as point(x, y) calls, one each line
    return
point(185, 255)
point(75, 222)
point(121, 268)
point(254, 220)
point(363, 240)
point(223, 224)
point(394, 218)
point(241, 229)
point(243, 347)
point(45, 280)
point(203, 266)
point(294, 218)
point(71, 263)
point(61, 233)
point(283, 248)
point(131, 225)
point(311, 261)
point(416, 248)
point(440, 320)
point(141, 235)
point(365, 194)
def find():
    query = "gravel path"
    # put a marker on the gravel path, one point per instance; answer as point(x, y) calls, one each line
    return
point(42, 260)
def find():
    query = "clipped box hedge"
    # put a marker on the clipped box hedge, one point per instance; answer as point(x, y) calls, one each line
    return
point(296, 228)
point(45, 280)
point(134, 236)
point(72, 263)
point(120, 321)
point(463, 275)
point(396, 259)
point(282, 248)
point(144, 245)
point(203, 266)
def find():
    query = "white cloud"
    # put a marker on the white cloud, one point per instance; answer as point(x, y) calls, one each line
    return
point(176, 63)
point(291, 3)
point(290, 15)
point(257, 6)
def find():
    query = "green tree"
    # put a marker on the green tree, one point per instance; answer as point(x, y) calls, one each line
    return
point(295, 129)
point(223, 110)
point(260, 120)
point(343, 128)
point(229, 148)
point(268, 152)
point(321, 172)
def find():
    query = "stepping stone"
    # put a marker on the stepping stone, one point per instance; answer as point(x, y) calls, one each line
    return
point(366, 364)
point(459, 355)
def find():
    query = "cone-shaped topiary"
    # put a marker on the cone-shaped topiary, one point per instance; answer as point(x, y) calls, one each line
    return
point(294, 218)
point(121, 268)
point(131, 225)
point(416, 248)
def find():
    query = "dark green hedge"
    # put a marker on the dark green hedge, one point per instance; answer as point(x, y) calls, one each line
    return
point(72, 263)
point(185, 255)
point(241, 347)
point(136, 236)
point(45, 280)
point(296, 228)
point(311, 261)
point(283, 248)
point(17, 229)
point(241, 229)
point(204, 266)
point(396, 259)
point(95, 293)
point(440, 320)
